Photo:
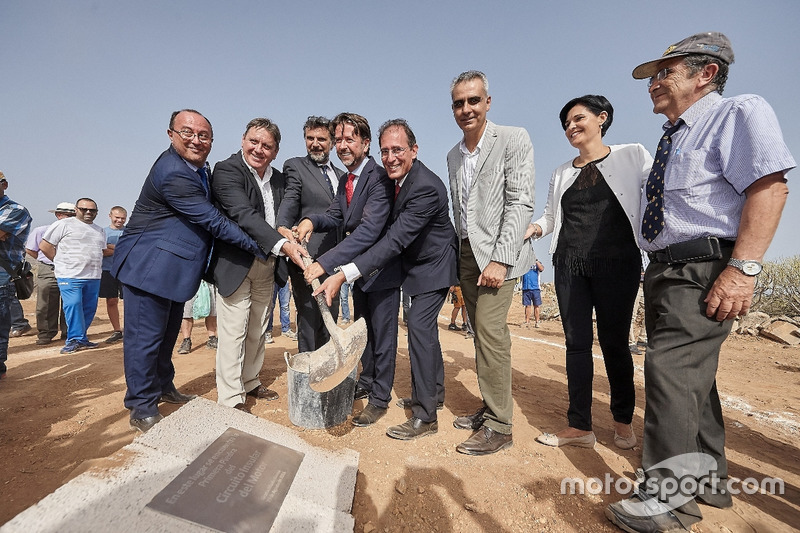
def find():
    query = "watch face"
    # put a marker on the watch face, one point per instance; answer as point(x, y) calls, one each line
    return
point(751, 268)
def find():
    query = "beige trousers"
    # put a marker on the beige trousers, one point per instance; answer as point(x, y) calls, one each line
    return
point(241, 325)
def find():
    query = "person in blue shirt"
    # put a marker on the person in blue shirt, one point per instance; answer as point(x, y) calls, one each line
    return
point(531, 294)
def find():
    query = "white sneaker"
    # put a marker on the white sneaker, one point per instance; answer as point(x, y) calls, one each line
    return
point(268, 338)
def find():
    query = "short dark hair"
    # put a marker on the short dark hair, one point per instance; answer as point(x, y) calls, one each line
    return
point(314, 122)
point(696, 62)
point(79, 200)
point(398, 123)
point(266, 124)
point(595, 103)
point(176, 113)
point(359, 123)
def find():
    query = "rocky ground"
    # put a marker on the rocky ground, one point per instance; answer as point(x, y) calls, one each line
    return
point(60, 414)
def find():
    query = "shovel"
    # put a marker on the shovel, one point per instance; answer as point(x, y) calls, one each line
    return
point(330, 364)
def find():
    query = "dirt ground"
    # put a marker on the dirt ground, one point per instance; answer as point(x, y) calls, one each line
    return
point(58, 413)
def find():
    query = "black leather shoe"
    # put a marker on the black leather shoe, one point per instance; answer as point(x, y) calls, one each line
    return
point(643, 513)
point(370, 415)
point(484, 442)
point(412, 428)
point(144, 424)
point(360, 393)
point(472, 422)
point(406, 403)
point(177, 397)
point(264, 393)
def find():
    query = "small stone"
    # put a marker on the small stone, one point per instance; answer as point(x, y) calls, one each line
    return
point(369, 527)
point(400, 486)
point(469, 506)
point(421, 490)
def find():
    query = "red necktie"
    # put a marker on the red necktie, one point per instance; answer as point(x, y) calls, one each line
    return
point(396, 190)
point(348, 188)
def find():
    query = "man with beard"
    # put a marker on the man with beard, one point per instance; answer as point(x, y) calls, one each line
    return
point(311, 184)
point(361, 208)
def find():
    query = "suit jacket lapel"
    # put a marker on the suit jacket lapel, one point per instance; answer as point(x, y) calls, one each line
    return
point(315, 171)
point(489, 138)
point(253, 184)
point(404, 190)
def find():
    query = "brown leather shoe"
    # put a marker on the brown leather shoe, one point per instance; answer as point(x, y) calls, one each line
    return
point(412, 428)
point(484, 442)
point(264, 393)
point(472, 422)
point(370, 415)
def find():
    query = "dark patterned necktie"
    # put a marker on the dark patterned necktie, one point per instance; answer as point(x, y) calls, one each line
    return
point(324, 170)
point(653, 218)
point(348, 188)
point(203, 178)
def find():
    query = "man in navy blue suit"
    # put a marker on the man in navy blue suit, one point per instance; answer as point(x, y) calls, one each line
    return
point(423, 239)
point(160, 259)
point(361, 208)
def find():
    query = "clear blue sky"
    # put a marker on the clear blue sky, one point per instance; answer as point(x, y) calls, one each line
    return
point(86, 88)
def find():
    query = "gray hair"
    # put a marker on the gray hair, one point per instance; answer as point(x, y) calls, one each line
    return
point(469, 76)
point(696, 62)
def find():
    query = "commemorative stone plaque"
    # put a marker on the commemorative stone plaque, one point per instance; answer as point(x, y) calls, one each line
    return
point(236, 485)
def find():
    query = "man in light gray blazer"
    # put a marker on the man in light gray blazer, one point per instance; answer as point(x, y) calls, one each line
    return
point(491, 182)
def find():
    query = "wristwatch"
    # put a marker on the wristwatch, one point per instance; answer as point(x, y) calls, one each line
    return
point(747, 266)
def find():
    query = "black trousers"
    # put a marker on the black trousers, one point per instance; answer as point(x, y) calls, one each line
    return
point(379, 310)
point(612, 297)
point(311, 331)
point(425, 353)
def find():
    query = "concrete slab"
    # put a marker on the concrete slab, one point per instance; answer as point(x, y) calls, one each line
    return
point(114, 498)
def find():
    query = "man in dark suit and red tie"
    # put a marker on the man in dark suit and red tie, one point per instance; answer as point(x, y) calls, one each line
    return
point(361, 208)
point(422, 239)
point(160, 259)
point(311, 184)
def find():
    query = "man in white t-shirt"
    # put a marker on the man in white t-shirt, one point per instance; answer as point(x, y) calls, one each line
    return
point(75, 245)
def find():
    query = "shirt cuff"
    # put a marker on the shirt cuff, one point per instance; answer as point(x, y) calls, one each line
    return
point(350, 271)
point(276, 250)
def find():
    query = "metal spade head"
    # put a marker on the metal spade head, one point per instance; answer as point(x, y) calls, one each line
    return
point(333, 362)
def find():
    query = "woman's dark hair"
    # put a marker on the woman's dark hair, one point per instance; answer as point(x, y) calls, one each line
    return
point(595, 103)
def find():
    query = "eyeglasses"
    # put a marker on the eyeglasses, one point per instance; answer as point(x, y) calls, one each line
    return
point(397, 152)
point(86, 210)
point(661, 75)
point(472, 100)
point(188, 135)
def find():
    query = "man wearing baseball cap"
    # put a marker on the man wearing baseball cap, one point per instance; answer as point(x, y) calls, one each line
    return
point(710, 208)
point(49, 313)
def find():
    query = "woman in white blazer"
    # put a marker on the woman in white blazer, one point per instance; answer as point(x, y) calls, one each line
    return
point(593, 212)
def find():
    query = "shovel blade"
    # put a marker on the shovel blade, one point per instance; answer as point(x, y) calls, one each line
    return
point(338, 357)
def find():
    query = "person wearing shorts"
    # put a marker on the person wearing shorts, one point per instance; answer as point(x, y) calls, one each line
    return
point(531, 294)
point(458, 306)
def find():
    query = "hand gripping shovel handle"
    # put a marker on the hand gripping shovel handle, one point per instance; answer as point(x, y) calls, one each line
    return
point(323, 305)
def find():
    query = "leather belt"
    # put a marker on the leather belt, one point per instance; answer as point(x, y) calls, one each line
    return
point(694, 251)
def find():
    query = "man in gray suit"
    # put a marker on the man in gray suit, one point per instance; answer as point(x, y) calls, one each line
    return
point(491, 182)
point(311, 184)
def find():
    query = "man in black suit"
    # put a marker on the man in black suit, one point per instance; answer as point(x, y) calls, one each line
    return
point(361, 208)
point(422, 237)
point(249, 191)
point(311, 182)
